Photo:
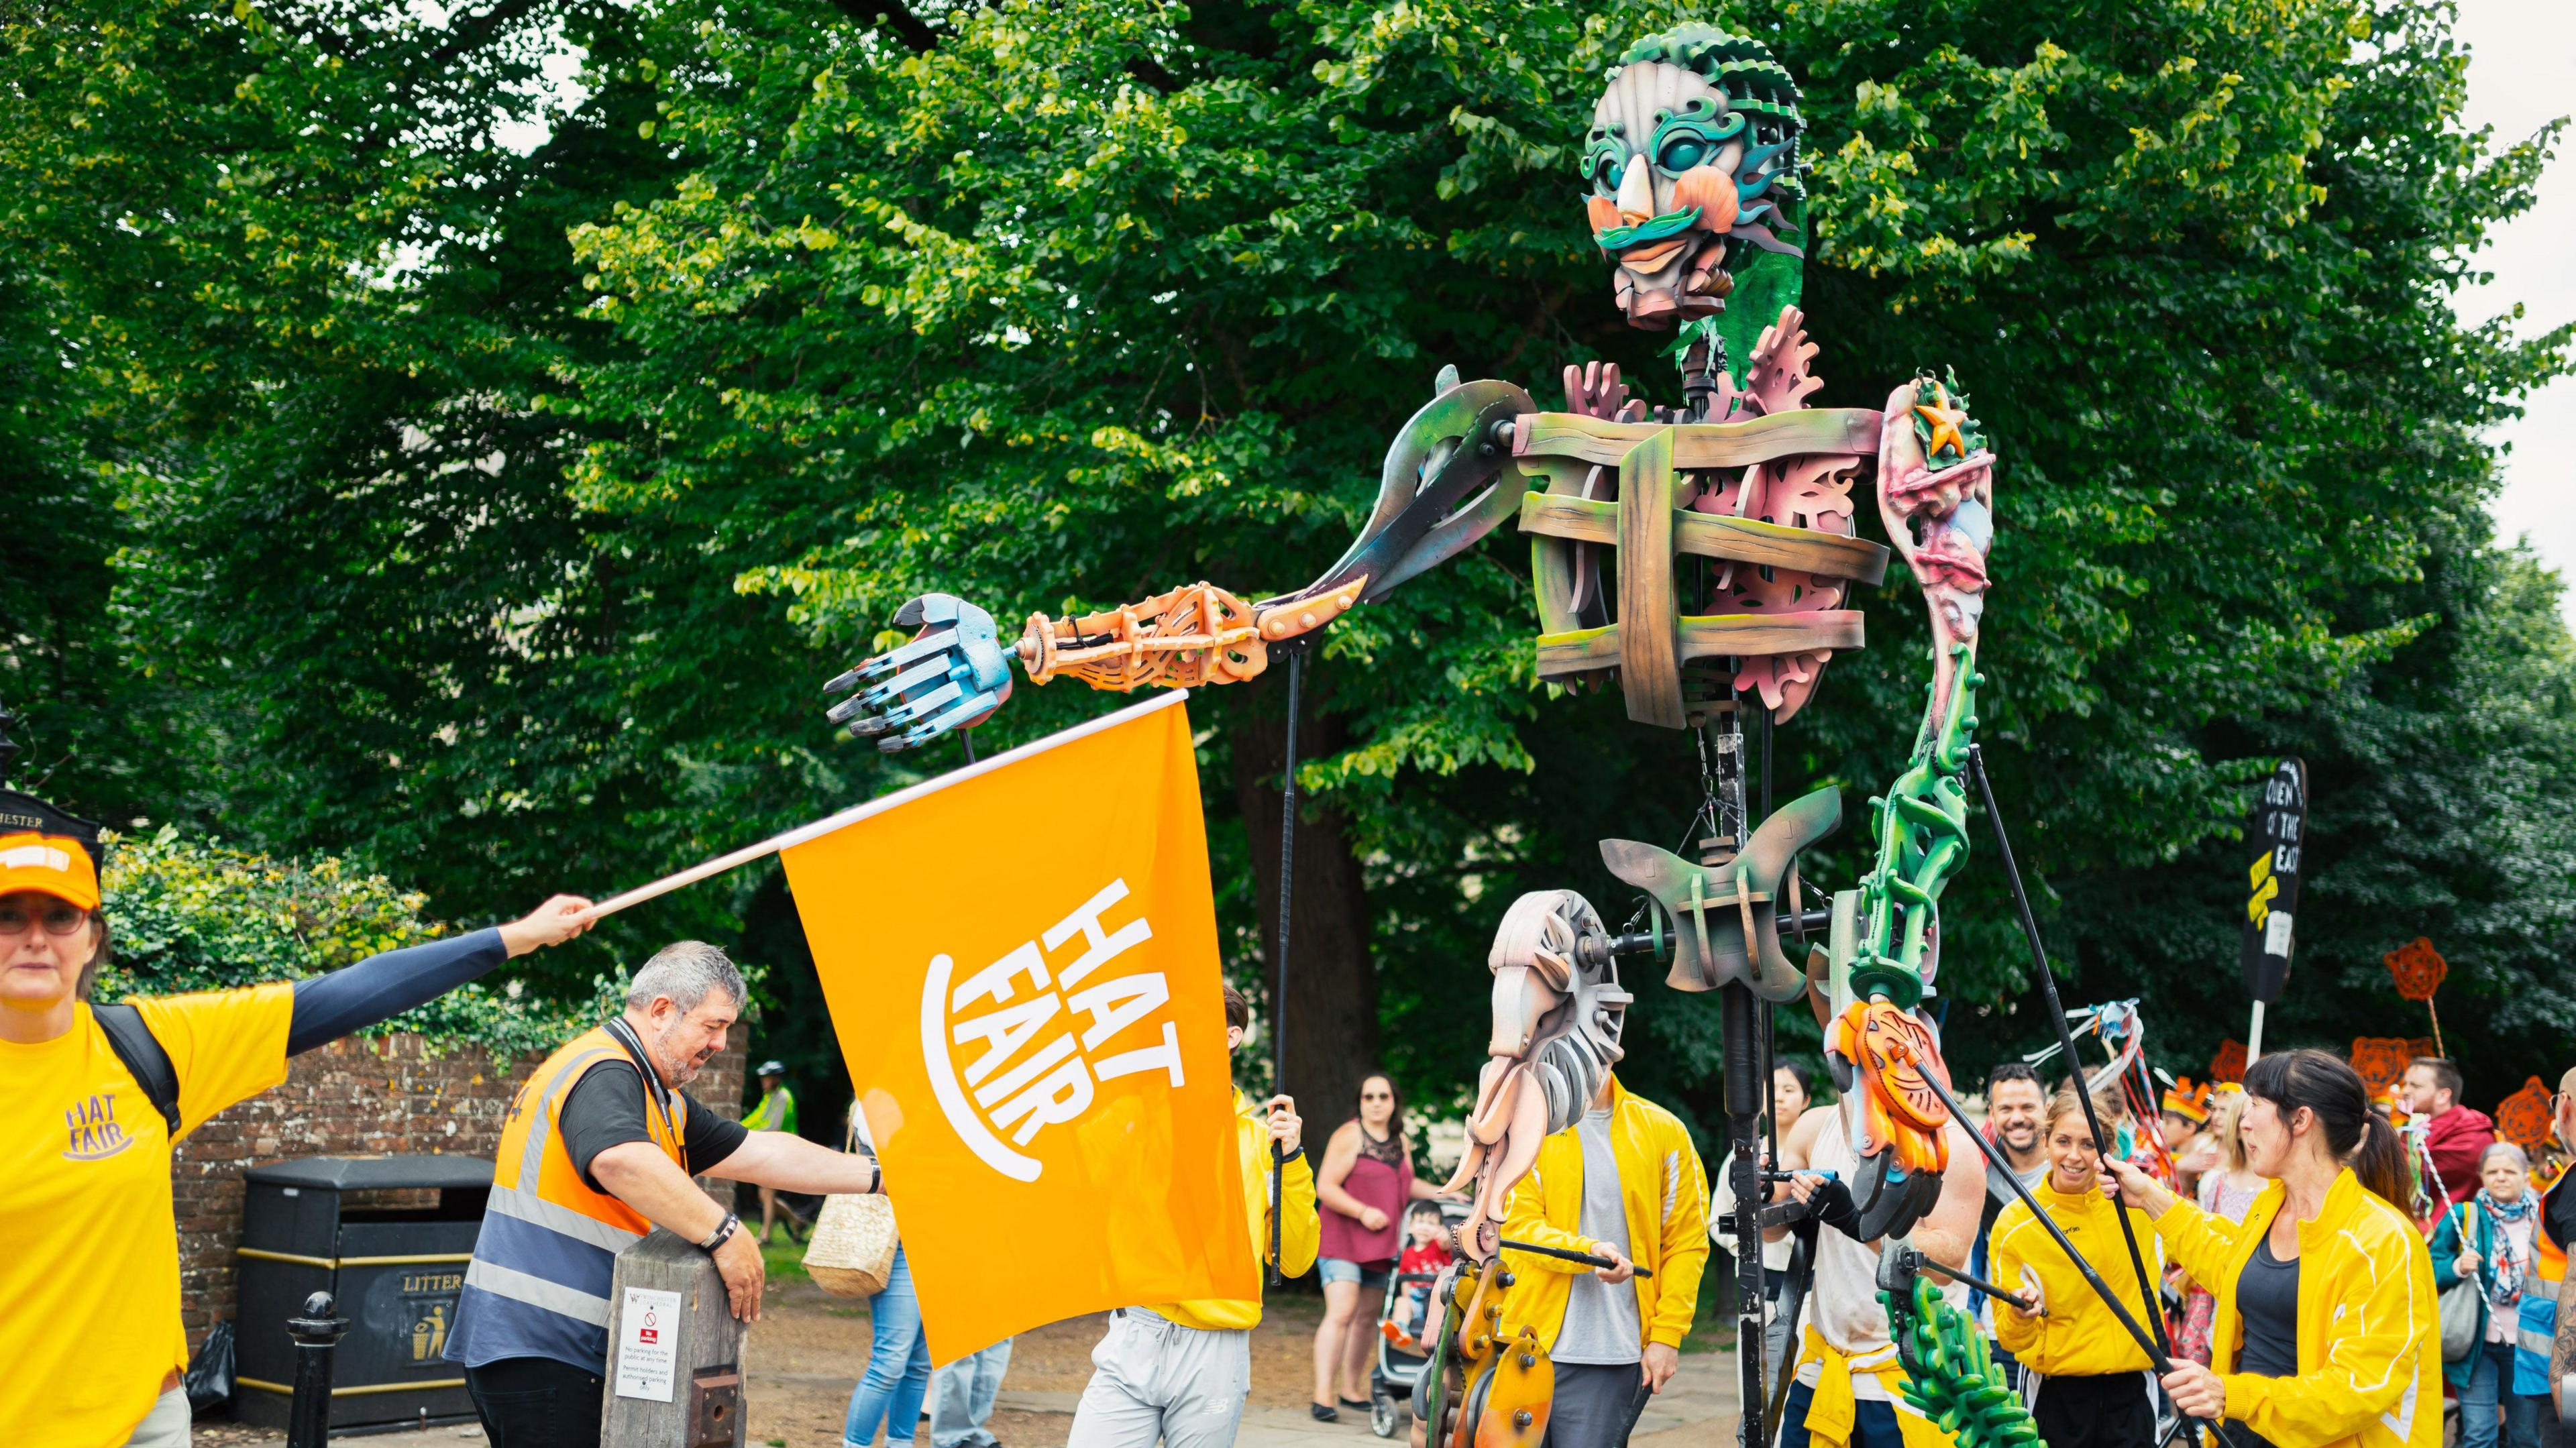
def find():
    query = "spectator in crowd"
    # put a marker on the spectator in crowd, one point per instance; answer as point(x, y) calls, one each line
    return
point(896, 1381)
point(2182, 1123)
point(1180, 1372)
point(2014, 1105)
point(91, 1349)
point(2093, 1383)
point(2326, 1334)
point(961, 1398)
point(776, 1112)
point(2492, 1238)
point(1623, 1183)
point(2455, 1136)
point(1363, 1189)
point(2227, 1188)
point(1793, 1090)
point(599, 1149)
point(1424, 1252)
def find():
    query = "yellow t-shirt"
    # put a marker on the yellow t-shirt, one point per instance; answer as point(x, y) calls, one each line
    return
point(89, 1278)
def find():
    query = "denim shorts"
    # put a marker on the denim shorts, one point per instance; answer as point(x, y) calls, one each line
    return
point(1343, 1269)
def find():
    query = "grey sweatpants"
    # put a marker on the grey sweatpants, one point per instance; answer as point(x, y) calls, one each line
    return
point(1153, 1378)
point(1596, 1404)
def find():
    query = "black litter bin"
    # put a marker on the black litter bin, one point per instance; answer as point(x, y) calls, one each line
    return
point(388, 1237)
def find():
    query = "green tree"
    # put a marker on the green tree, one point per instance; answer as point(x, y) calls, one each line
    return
point(808, 309)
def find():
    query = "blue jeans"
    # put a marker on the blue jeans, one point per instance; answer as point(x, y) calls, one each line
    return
point(898, 1366)
point(2490, 1383)
point(961, 1397)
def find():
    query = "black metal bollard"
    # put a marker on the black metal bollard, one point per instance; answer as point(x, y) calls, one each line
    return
point(317, 1335)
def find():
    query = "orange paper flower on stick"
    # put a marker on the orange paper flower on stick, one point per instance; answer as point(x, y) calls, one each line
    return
point(2229, 1063)
point(2417, 968)
point(2381, 1060)
point(2523, 1117)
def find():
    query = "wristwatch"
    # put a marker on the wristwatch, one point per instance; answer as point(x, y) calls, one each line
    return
point(724, 1230)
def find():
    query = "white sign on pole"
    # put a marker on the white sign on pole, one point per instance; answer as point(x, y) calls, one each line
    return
point(648, 1344)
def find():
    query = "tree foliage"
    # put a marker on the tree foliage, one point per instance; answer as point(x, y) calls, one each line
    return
point(498, 512)
point(196, 914)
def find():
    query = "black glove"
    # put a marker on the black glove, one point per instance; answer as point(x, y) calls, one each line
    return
point(1832, 1205)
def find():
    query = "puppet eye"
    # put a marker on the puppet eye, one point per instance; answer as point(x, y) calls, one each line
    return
point(1682, 152)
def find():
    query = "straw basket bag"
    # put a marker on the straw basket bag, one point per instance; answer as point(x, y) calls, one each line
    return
point(851, 1250)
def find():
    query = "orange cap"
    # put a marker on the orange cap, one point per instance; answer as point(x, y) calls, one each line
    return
point(57, 865)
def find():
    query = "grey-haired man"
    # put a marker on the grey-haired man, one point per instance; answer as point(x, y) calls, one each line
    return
point(599, 1148)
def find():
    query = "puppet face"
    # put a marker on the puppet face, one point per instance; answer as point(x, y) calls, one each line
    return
point(1677, 179)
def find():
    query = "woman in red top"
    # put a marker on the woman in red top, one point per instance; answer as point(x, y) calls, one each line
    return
point(1366, 1180)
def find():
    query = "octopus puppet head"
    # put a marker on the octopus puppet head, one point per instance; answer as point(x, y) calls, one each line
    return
point(1691, 174)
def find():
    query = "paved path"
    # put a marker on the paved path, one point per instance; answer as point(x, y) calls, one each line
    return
point(1697, 1408)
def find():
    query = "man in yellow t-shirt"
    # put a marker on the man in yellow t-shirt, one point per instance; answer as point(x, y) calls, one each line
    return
point(1180, 1371)
point(90, 1343)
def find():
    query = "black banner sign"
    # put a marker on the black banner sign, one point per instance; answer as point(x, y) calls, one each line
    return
point(2272, 843)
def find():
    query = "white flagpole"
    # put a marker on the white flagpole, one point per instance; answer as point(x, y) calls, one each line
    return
point(856, 813)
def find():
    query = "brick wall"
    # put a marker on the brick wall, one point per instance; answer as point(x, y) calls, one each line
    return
point(355, 1097)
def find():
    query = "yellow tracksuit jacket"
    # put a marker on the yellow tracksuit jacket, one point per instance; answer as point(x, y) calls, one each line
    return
point(2370, 1335)
point(2079, 1337)
point(1299, 1231)
point(1666, 1196)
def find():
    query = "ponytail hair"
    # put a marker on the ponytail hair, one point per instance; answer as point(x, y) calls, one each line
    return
point(2355, 1134)
point(2381, 1162)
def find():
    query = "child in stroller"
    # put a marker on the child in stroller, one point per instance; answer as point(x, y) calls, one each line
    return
point(1406, 1322)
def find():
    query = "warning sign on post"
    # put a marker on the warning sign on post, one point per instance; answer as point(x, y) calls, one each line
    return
point(648, 1343)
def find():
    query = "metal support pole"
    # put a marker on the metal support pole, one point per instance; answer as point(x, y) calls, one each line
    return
point(2065, 1037)
point(1738, 1029)
point(317, 1335)
point(1279, 968)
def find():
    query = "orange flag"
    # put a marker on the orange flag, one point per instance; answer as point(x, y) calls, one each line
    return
point(1021, 963)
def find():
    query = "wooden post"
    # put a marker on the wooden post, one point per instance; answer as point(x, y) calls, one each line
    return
point(674, 1351)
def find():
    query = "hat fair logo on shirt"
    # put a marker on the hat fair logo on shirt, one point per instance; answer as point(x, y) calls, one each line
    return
point(94, 1132)
point(1085, 1031)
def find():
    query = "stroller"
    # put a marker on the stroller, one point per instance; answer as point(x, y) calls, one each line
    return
point(1399, 1368)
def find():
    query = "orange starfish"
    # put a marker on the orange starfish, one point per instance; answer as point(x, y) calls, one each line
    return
point(1946, 421)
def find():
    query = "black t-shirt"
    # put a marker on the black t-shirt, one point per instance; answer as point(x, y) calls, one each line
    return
point(2267, 1296)
point(606, 1108)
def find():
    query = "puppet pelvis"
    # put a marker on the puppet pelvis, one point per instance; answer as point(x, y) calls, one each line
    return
point(1722, 917)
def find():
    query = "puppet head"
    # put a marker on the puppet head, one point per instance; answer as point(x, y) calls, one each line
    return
point(1558, 1013)
point(1690, 173)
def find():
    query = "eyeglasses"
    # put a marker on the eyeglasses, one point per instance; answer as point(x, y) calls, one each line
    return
point(1377, 1096)
point(59, 918)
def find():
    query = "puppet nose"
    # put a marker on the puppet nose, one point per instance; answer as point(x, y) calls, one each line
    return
point(1637, 192)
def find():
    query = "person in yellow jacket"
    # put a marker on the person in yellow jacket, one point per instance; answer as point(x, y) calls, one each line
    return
point(1622, 1183)
point(1180, 1371)
point(101, 1093)
point(2093, 1386)
point(2327, 1333)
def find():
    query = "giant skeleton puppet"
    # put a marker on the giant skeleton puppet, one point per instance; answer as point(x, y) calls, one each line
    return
point(1697, 557)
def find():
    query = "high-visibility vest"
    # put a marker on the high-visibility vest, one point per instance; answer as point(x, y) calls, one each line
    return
point(539, 1282)
point(2536, 1318)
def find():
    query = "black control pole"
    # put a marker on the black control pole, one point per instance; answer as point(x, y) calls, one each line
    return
point(1279, 969)
point(2065, 1037)
point(317, 1335)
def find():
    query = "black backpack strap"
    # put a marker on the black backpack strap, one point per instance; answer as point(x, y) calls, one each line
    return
point(142, 1054)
